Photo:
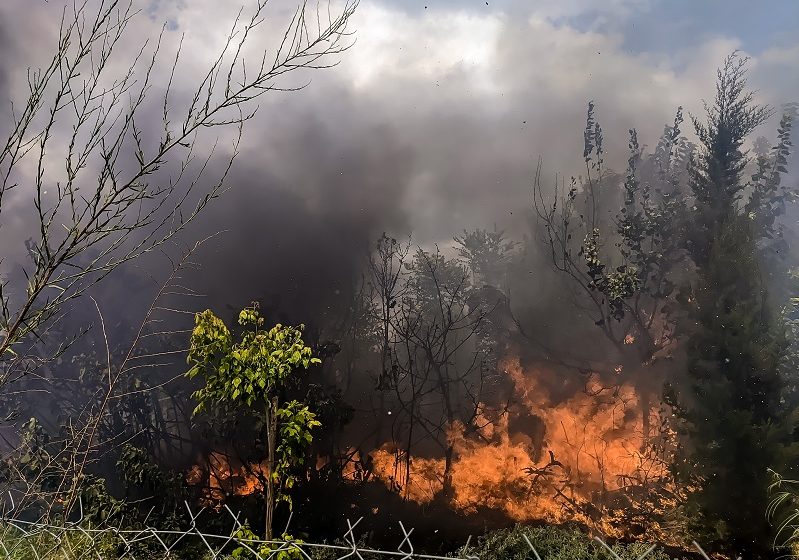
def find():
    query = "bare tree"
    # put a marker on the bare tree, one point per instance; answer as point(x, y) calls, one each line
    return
point(432, 352)
point(386, 267)
point(388, 288)
point(122, 194)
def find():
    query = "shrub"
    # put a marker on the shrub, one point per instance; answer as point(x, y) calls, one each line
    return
point(552, 543)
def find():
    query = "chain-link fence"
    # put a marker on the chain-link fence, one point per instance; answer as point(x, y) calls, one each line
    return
point(22, 539)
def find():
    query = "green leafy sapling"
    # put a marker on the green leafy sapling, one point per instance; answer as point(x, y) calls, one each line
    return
point(252, 370)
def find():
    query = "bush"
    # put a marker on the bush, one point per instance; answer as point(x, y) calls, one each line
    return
point(551, 543)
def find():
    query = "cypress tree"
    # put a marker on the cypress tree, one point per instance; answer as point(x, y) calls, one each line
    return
point(734, 425)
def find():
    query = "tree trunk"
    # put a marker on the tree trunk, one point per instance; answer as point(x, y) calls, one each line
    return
point(646, 405)
point(381, 412)
point(271, 438)
point(408, 451)
point(448, 490)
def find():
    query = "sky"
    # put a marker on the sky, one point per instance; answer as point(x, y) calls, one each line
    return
point(648, 25)
point(434, 119)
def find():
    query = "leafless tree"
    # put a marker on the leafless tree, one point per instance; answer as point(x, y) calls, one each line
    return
point(387, 288)
point(120, 193)
point(432, 357)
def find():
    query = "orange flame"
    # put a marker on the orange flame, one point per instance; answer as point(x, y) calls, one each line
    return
point(592, 449)
point(222, 476)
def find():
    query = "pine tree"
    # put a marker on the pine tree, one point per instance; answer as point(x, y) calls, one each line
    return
point(734, 420)
point(717, 171)
point(735, 427)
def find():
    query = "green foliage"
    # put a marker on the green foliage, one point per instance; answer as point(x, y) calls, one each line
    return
point(628, 264)
point(790, 362)
point(152, 486)
point(691, 268)
point(295, 423)
point(699, 265)
point(89, 541)
point(783, 513)
point(769, 194)
point(617, 285)
point(52, 545)
point(249, 370)
point(647, 232)
point(649, 222)
point(735, 423)
point(284, 548)
point(98, 504)
point(551, 543)
point(36, 453)
point(254, 369)
point(717, 170)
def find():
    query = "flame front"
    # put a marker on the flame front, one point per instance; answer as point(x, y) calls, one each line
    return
point(222, 477)
point(592, 455)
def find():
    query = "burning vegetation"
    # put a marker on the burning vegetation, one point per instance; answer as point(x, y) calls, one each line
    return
point(221, 477)
point(587, 461)
point(628, 367)
point(468, 401)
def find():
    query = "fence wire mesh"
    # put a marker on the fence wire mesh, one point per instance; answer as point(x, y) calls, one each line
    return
point(22, 539)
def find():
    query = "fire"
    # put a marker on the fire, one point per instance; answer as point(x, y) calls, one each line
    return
point(222, 476)
point(581, 458)
point(592, 455)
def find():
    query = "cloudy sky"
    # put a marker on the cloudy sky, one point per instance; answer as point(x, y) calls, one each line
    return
point(439, 111)
point(434, 119)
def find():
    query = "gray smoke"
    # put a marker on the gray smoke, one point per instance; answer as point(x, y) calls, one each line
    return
point(432, 123)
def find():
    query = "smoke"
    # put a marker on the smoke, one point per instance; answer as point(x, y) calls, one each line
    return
point(432, 123)
point(305, 214)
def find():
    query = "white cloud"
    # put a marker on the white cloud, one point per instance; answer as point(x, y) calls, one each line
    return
point(474, 95)
point(393, 45)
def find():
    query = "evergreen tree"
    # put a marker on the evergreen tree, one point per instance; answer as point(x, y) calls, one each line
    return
point(717, 170)
point(733, 416)
point(734, 426)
